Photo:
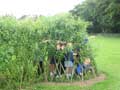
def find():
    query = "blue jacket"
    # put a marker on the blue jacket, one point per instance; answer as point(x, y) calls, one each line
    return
point(79, 69)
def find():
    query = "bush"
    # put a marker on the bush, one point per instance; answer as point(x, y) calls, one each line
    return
point(23, 42)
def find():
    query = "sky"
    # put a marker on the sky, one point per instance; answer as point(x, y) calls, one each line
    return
point(36, 7)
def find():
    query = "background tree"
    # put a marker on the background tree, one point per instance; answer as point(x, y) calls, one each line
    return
point(104, 15)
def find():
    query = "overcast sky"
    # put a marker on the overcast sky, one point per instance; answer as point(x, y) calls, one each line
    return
point(36, 7)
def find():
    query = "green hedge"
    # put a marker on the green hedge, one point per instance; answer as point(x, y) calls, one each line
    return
point(22, 43)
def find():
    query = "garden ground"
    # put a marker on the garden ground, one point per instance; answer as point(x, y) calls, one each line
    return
point(108, 61)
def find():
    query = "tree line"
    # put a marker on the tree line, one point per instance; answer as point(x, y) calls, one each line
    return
point(104, 15)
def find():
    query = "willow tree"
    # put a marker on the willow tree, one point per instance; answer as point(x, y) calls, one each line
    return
point(66, 29)
point(23, 42)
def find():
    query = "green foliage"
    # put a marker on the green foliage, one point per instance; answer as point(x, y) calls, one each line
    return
point(108, 61)
point(16, 52)
point(104, 15)
point(26, 41)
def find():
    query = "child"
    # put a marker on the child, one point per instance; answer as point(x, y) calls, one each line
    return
point(87, 66)
point(84, 67)
point(52, 66)
point(79, 70)
point(69, 61)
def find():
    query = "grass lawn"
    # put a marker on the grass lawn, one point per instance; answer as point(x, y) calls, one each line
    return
point(108, 61)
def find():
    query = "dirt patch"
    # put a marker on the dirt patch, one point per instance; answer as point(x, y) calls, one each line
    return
point(89, 82)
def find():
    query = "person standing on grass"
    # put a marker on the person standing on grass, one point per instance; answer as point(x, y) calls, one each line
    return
point(61, 66)
point(54, 61)
point(69, 61)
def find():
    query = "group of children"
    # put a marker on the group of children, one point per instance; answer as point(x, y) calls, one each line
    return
point(66, 65)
